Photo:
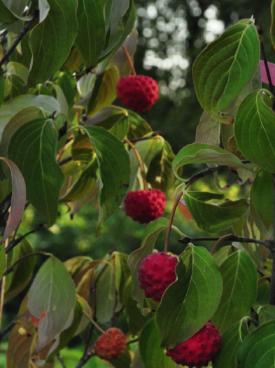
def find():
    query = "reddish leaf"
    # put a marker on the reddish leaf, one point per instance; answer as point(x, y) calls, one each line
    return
point(18, 199)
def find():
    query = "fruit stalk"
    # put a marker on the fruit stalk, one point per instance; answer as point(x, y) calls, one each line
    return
point(129, 60)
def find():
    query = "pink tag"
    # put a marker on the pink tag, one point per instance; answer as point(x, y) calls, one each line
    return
point(263, 72)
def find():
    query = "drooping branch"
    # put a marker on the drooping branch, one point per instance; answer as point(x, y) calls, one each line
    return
point(12, 267)
point(171, 220)
point(229, 238)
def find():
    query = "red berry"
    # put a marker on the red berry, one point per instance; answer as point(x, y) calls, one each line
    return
point(156, 272)
point(199, 349)
point(138, 92)
point(145, 205)
point(111, 344)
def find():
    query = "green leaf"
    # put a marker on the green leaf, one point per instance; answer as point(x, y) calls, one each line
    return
point(192, 300)
point(91, 35)
point(152, 232)
point(106, 292)
point(120, 20)
point(105, 90)
point(214, 217)
point(272, 27)
point(6, 16)
point(231, 342)
point(239, 289)
point(255, 129)
point(148, 149)
point(160, 173)
point(114, 169)
point(138, 127)
point(261, 197)
point(52, 295)
point(51, 41)
point(112, 118)
point(266, 313)
point(33, 148)
point(150, 348)
point(224, 67)
point(258, 349)
point(195, 153)
point(22, 273)
point(47, 104)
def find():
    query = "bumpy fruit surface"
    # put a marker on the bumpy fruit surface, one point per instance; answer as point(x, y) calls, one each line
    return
point(156, 272)
point(145, 205)
point(111, 344)
point(199, 349)
point(138, 92)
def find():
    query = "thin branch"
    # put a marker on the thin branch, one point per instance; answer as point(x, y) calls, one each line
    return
point(171, 220)
point(264, 56)
point(60, 360)
point(65, 161)
point(18, 240)
point(12, 267)
point(229, 238)
point(85, 359)
point(27, 27)
point(154, 134)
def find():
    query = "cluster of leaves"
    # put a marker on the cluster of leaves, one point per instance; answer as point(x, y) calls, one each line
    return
point(64, 142)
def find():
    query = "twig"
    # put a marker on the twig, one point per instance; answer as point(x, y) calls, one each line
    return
point(18, 39)
point(129, 60)
point(85, 358)
point(60, 360)
point(2, 292)
point(18, 240)
point(229, 238)
point(140, 162)
point(65, 161)
point(171, 220)
point(11, 268)
point(154, 134)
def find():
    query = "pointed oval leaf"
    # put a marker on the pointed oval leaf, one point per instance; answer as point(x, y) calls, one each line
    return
point(33, 148)
point(53, 296)
point(255, 129)
point(51, 41)
point(192, 300)
point(214, 217)
point(261, 197)
point(231, 342)
point(196, 153)
point(150, 348)
point(258, 349)
point(239, 289)
point(224, 67)
point(91, 35)
point(114, 169)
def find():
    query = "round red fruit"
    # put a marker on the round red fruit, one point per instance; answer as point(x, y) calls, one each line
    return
point(200, 349)
point(145, 205)
point(111, 344)
point(138, 92)
point(156, 272)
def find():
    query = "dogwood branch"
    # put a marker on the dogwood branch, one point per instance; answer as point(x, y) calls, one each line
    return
point(27, 27)
point(229, 238)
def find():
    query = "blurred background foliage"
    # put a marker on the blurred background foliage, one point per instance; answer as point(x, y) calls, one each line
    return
point(171, 34)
